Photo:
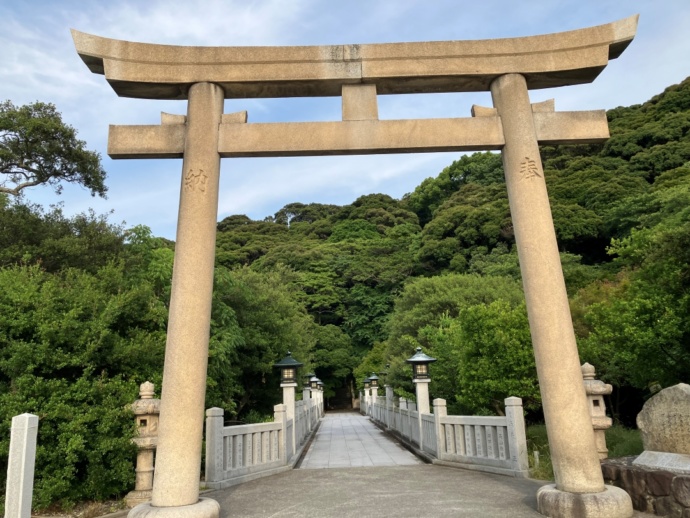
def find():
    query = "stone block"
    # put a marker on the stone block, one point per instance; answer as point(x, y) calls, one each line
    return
point(659, 482)
point(673, 462)
point(665, 420)
point(686, 513)
point(613, 502)
point(646, 504)
point(633, 481)
point(680, 489)
point(611, 472)
point(668, 507)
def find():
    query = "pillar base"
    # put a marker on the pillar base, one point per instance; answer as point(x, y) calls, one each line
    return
point(204, 508)
point(136, 497)
point(613, 502)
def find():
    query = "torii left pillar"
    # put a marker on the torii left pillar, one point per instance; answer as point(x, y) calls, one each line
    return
point(178, 460)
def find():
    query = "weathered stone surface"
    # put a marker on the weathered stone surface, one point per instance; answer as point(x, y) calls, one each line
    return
point(668, 507)
point(566, 411)
point(680, 489)
point(168, 71)
point(659, 482)
point(613, 502)
point(665, 421)
point(178, 460)
point(686, 513)
point(633, 481)
point(611, 472)
point(203, 508)
point(674, 462)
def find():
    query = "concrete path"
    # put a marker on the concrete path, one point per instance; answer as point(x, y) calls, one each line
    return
point(350, 440)
point(396, 491)
point(371, 475)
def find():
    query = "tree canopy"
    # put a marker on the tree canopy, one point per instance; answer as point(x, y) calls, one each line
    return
point(38, 148)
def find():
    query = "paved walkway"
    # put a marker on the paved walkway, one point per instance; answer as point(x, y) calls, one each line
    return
point(349, 440)
point(392, 491)
point(369, 475)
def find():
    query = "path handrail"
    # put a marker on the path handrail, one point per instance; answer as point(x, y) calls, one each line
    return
point(496, 444)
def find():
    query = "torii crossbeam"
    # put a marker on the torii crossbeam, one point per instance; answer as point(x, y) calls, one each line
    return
point(205, 76)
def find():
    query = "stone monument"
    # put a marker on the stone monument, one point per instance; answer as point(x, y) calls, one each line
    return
point(508, 68)
point(665, 425)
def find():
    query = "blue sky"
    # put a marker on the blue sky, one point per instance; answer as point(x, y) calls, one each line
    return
point(38, 62)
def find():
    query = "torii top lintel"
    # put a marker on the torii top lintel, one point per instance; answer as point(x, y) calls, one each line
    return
point(151, 71)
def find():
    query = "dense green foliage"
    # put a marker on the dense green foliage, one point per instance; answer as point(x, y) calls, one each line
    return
point(83, 315)
point(353, 290)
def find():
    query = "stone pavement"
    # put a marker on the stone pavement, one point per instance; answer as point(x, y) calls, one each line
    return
point(353, 469)
point(350, 440)
point(397, 491)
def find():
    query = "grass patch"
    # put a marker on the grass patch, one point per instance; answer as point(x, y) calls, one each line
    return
point(539, 442)
point(623, 442)
point(620, 441)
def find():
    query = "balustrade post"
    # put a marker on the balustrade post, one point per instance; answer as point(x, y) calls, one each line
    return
point(289, 402)
point(440, 410)
point(306, 397)
point(389, 402)
point(214, 443)
point(280, 417)
point(422, 390)
point(517, 438)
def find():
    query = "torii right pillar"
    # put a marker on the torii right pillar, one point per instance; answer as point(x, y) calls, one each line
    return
point(579, 490)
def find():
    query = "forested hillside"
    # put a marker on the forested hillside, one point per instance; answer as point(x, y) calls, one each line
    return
point(352, 290)
point(438, 269)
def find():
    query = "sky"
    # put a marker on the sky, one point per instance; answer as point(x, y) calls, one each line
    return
point(38, 63)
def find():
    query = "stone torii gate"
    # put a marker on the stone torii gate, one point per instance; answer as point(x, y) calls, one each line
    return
point(509, 68)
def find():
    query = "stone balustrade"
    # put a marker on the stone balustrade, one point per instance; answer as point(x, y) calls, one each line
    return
point(237, 454)
point(483, 443)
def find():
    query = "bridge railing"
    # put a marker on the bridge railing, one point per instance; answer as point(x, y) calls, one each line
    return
point(484, 443)
point(236, 454)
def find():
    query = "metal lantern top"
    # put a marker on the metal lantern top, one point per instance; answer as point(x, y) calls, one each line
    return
point(288, 367)
point(366, 382)
point(314, 382)
point(374, 380)
point(420, 364)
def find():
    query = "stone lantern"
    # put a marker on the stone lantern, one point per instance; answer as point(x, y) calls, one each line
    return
point(306, 388)
point(420, 374)
point(288, 370)
point(146, 410)
point(596, 390)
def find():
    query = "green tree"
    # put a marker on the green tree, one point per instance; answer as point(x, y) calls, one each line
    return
point(256, 319)
point(38, 148)
point(74, 346)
